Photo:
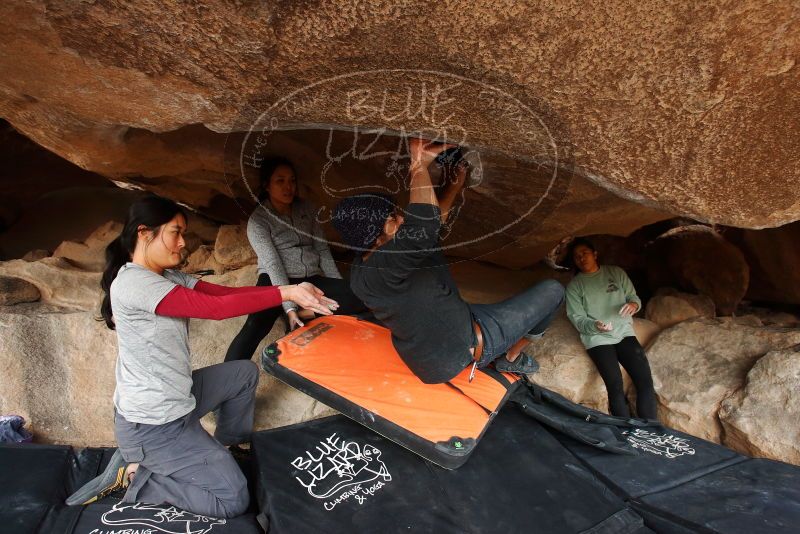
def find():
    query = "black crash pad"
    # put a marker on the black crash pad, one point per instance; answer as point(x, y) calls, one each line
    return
point(32, 479)
point(333, 475)
point(36, 479)
point(680, 483)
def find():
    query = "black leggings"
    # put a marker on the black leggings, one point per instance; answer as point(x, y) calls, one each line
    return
point(630, 354)
point(260, 323)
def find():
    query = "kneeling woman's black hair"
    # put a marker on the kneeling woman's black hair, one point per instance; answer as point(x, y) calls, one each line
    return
point(151, 211)
point(569, 261)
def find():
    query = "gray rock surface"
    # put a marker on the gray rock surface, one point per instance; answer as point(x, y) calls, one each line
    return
point(762, 419)
point(699, 363)
point(232, 250)
point(90, 255)
point(670, 307)
point(59, 282)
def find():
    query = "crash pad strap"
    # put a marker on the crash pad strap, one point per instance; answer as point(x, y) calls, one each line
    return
point(488, 391)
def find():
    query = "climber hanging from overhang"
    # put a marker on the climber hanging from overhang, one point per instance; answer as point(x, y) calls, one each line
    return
point(400, 273)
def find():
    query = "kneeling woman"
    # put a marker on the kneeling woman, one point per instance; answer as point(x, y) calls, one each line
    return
point(164, 454)
point(601, 302)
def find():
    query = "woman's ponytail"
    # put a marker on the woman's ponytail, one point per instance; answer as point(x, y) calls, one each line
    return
point(116, 257)
point(151, 211)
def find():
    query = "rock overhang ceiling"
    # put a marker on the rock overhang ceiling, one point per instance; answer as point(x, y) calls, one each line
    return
point(643, 110)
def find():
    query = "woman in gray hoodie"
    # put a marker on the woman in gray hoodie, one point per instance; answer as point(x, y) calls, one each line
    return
point(291, 248)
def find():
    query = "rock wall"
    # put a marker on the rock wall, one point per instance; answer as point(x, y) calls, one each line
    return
point(513, 217)
point(696, 258)
point(699, 363)
point(759, 418)
point(59, 372)
point(684, 108)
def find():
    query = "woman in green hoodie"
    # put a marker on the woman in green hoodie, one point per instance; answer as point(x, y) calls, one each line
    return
point(601, 302)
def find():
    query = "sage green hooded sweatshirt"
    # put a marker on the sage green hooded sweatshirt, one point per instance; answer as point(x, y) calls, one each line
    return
point(598, 297)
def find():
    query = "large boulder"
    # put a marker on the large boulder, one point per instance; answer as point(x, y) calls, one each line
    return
point(761, 419)
point(203, 260)
point(699, 363)
point(697, 259)
point(565, 367)
point(646, 331)
point(16, 291)
point(669, 307)
point(232, 249)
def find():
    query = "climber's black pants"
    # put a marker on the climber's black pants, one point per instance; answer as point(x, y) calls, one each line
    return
point(260, 323)
point(630, 354)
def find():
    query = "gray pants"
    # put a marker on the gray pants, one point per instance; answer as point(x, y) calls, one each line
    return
point(179, 462)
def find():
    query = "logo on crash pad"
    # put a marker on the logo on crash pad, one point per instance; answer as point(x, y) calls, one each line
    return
point(157, 519)
point(667, 445)
point(311, 334)
point(336, 470)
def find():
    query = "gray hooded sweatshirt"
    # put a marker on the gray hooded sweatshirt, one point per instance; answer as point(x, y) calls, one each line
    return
point(290, 246)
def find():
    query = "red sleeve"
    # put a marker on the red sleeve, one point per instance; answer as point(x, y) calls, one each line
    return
point(185, 302)
point(214, 289)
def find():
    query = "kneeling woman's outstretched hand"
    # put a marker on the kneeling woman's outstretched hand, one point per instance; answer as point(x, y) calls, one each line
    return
point(310, 297)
